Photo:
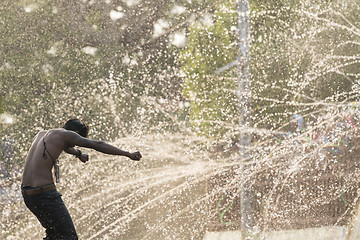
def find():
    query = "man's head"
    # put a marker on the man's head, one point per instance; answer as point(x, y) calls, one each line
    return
point(77, 126)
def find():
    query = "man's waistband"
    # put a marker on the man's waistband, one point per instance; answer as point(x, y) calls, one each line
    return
point(37, 190)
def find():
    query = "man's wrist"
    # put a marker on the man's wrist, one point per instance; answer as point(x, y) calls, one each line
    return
point(78, 155)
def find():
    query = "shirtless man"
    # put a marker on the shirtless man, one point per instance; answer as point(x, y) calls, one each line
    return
point(38, 188)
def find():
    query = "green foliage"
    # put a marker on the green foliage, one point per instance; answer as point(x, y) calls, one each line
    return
point(1, 106)
point(277, 63)
point(213, 98)
point(272, 65)
point(64, 59)
point(42, 74)
point(302, 53)
point(334, 72)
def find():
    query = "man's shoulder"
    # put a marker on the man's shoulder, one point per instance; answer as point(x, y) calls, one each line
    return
point(61, 131)
point(60, 135)
point(50, 131)
point(55, 132)
point(58, 130)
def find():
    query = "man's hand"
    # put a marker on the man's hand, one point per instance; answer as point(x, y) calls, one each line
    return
point(135, 156)
point(84, 157)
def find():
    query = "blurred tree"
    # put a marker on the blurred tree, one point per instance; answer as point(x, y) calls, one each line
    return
point(212, 44)
point(302, 54)
point(309, 54)
point(333, 39)
point(216, 45)
point(276, 64)
point(111, 63)
point(1, 106)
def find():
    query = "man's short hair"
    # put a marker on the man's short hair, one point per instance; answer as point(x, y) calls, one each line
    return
point(77, 126)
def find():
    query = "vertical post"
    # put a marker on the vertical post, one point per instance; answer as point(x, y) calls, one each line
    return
point(244, 94)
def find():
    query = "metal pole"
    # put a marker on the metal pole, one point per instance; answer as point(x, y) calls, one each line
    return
point(244, 94)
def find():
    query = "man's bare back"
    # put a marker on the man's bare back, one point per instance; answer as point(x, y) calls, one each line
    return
point(38, 170)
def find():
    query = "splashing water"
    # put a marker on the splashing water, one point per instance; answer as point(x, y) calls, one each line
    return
point(298, 176)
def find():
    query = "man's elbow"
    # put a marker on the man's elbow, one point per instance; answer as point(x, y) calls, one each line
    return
point(97, 144)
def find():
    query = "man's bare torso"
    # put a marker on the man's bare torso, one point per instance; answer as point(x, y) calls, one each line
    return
point(38, 170)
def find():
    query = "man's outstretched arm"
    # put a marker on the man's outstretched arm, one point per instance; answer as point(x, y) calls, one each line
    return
point(100, 146)
point(110, 149)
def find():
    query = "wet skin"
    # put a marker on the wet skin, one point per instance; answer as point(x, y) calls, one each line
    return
point(38, 170)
